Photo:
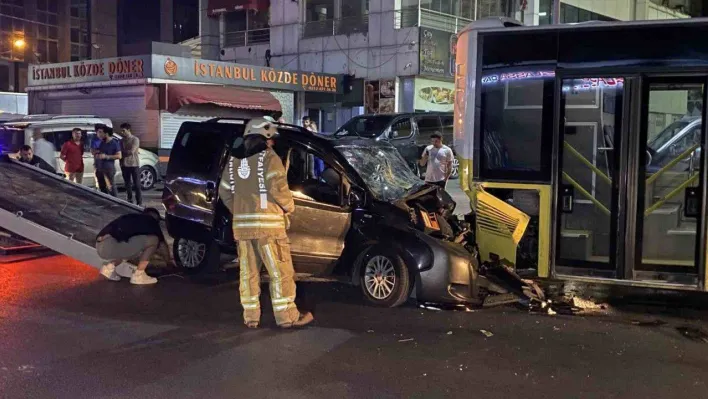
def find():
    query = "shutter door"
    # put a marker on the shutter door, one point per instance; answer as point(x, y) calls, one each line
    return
point(121, 109)
point(170, 124)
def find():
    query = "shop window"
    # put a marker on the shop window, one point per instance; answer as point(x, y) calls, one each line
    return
point(516, 125)
point(330, 17)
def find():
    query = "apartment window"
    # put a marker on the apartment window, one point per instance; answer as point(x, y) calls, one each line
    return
point(79, 36)
point(186, 20)
point(11, 28)
point(47, 31)
point(335, 17)
point(246, 27)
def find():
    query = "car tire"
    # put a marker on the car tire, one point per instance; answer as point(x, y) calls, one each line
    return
point(384, 278)
point(194, 256)
point(455, 173)
point(148, 177)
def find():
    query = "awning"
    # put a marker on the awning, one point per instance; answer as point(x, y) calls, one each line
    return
point(223, 96)
point(217, 7)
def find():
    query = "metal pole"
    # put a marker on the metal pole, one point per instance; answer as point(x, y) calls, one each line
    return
point(555, 13)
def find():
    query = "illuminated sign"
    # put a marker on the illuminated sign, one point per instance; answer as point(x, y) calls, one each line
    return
point(89, 71)
point(512, 76)
point(586, 84)
point(184, 70)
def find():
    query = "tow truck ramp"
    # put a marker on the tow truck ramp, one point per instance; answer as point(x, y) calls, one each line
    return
point(55, 212)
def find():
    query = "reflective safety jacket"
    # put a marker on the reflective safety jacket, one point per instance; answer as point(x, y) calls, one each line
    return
point(255, 189)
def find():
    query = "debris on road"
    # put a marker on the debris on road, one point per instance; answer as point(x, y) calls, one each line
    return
point(449, 333)
point(693, 333)
point(406, 340)
point(486, 333)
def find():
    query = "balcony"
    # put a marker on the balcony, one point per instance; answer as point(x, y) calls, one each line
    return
point(420, 17)
point(247, 37)
point(333, 27)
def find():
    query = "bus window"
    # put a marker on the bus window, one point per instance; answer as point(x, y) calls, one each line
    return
point(516, 126)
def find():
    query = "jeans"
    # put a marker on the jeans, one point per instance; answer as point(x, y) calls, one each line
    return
point(131, 177)
point(105, 179)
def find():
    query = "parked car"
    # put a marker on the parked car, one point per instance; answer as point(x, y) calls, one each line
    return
point(365, 216)
point(57, 130)
point(673, 141)
point(408, 132)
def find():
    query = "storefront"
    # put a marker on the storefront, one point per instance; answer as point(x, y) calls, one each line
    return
point(157, 93)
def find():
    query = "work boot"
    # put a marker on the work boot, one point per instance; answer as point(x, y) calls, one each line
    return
point(109, 271)
point(302, 321)
point(141, 278)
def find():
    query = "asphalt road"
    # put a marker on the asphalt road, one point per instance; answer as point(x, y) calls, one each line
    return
point(66, 333)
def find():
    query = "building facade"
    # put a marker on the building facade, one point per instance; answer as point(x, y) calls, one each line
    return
point(50, 31)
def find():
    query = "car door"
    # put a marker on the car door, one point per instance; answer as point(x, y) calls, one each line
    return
point(197, 159)
point(320, 223)
point(401, 135)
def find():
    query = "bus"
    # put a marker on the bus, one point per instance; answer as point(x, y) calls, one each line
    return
point(580, 148)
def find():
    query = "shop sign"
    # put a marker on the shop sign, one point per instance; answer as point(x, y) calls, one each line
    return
point(437, 52)
point(434, 95)
point(226, 73)
point(123, 68)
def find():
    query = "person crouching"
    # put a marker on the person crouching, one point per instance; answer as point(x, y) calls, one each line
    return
point(130, 236)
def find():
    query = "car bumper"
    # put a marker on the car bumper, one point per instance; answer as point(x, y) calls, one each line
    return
point(452, 277)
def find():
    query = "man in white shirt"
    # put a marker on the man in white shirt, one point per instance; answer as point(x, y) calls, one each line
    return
point(439, 158)
point(44, 149)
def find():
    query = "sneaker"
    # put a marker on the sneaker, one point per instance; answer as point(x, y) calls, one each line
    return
point(109, 271)
point(126, 270)
point(302, 321)
point(141, 278)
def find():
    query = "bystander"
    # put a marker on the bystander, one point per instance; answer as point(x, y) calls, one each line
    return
point(108, 153)
point(72, 153)
point(130, 164)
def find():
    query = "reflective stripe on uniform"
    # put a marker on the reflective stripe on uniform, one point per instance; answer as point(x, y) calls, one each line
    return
point(250, 306)
point(270, 256)
point(280, 308)
point(243, 258)
point(248, 299)
point(270, 225)
point(271, 175)
point(251, 216)
point(279, 301)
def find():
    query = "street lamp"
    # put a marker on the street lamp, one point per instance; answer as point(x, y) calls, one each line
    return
point(19, 43)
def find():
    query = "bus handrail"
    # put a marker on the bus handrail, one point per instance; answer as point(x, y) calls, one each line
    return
point(586, 194)
point(671, 194)
point(673, 163)
point(587, 163)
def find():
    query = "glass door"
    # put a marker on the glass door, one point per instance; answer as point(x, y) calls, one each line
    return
point(669, 183)
point(588, 170)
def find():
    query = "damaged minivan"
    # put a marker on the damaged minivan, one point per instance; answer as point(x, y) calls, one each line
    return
point(360, 214)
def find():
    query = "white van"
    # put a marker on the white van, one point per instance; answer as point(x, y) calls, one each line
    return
point(57, 130)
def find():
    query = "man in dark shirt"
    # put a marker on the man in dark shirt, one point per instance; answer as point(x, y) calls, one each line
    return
point(135, 234)
point(106, 155)
point(27, 156)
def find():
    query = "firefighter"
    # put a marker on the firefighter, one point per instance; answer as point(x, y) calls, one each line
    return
point(254, 187)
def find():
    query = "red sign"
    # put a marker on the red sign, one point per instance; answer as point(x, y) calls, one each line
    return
point(217, 7)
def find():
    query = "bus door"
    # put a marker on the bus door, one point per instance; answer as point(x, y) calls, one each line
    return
point(629, 183)
point(669, 211)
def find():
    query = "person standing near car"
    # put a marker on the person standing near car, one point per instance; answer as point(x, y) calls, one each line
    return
point(108, 153)
point(28, 157)
point(130, 164)
point(44, 149)
point(438, 158)
point(72, 153)
point(254, 187)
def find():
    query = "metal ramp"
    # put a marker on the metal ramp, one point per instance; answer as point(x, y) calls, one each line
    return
point(54, 212)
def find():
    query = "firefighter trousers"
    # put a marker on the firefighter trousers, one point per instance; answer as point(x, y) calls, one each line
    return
point(275, 254)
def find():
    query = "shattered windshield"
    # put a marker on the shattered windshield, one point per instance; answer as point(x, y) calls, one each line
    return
point(364, 126)
point(384, 171)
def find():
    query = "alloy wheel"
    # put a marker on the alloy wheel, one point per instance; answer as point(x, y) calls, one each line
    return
point(191, 253)
point(455, 168)
point(147, 179)
point(380, 277)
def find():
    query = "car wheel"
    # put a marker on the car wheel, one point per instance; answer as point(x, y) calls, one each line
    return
point(194, 256)
point(148, 176)
point(385, 279)
point(455, 172)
